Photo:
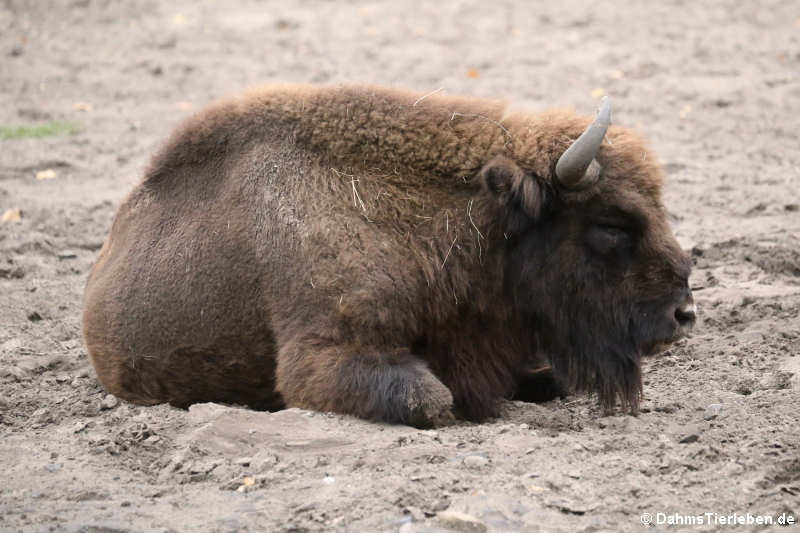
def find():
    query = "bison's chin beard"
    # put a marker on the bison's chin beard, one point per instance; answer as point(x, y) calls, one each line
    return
point(612, 372)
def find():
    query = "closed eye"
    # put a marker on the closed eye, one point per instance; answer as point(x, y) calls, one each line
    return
point(605, 239)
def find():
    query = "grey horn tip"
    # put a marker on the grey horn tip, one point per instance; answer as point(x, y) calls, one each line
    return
point(572, 166)
point(604, 113)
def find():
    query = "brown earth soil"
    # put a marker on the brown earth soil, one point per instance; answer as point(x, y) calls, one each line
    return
point(715, 86)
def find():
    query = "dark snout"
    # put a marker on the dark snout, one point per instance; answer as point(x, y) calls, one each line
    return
point(677, 320)
point(685, 314)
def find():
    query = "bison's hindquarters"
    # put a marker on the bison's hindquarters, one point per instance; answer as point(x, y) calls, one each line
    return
point(174, 311)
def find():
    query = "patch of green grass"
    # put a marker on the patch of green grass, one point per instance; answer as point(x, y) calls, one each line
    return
point(48, 129)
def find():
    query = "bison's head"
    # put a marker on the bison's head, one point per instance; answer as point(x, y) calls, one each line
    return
point(591, 263)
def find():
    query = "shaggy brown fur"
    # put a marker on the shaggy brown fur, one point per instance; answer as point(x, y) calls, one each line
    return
point(384, 254)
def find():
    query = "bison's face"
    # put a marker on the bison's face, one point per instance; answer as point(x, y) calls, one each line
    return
point(604, 283)
point(597, 273)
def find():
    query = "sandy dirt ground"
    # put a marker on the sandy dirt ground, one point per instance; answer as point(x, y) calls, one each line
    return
point(714, 85)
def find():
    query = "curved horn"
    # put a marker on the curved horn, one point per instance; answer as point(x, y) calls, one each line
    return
point(573, 164)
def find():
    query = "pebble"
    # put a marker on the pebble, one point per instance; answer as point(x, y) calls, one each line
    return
point(461, 522)
point(152, 439)
point(42, 416)
point(15, 372)
point(745, 388)
point(692, 437)
point(297, 443)
point(109, 402)
point(12, 273)
point(248, 484)
point(305, 508)
point(712, 411)
point(415, 513)
point(66, 254)
point(776, 381)
point(475, 462)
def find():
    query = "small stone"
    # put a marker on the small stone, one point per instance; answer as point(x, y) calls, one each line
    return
point(66, 254)
point(62, 378)
point(12, 215)
point(475, 462)
point(34, 316)
point(461, 522)
point(151, 440)
point(42, 417)
point(328, 480)
point(712, 411)
point(745, 387)
point(692, 437)
point(776, 381)
point(12, 273)
point(53, 467)
point(297, 443)
point(305, 508)
point(243, 461)
point(415, 513)
point(46, 174)
point(109, 402)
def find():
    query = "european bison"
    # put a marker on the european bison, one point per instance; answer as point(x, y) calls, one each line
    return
point(395, 256)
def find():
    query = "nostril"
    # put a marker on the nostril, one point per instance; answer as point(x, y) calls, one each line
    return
point(686, 315)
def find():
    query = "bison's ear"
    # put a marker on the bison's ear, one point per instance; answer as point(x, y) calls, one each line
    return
point(514, 189)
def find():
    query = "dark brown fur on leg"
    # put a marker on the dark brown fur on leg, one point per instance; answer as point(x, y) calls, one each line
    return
point(539, 385)
point(383, 385)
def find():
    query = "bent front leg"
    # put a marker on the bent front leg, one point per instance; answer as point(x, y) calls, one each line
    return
point(376, 384)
